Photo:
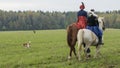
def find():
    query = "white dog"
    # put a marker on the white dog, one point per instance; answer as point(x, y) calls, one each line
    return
point(27, 45)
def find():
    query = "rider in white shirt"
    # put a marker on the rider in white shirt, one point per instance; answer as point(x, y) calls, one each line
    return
point(93, 25)
point(92, 11)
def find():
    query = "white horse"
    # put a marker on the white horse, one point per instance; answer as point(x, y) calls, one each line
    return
point(89, 38)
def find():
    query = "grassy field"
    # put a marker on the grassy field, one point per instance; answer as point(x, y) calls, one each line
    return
point(50, 50)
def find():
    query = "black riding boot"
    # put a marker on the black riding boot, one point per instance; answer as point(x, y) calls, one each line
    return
point(100, 41)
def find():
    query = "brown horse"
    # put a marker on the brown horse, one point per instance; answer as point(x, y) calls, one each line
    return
point(72, 38)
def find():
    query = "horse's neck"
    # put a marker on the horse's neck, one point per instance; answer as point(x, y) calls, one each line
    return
point(100, 23)
point(100, 27)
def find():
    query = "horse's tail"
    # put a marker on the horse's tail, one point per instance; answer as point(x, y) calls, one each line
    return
point(80, 36)
point(69, 31)
point(71, 35)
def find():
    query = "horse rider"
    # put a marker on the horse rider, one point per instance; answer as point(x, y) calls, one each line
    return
point(82, 20)
point(93, 25)
point(82, 17)
point(92, 11)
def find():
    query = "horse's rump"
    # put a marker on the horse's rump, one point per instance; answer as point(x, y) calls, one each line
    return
point(86, 36)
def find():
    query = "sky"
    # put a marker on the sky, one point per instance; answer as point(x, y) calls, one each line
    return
point(59, 5)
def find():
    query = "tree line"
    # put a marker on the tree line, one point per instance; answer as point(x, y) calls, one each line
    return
point(39, 20)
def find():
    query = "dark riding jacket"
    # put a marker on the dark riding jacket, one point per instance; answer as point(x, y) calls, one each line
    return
point(82, 13)
point(92, 21)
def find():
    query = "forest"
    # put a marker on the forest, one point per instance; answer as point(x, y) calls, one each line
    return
point(39, 20)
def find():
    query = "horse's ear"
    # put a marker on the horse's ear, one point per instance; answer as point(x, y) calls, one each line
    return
point(101, 18)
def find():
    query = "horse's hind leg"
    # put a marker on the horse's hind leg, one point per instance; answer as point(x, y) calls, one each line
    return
point(87, 54)
point(70, 54)
point(79, 51)
point(97, 51)
point(74, 52)
point(72, 49)
point(88, 50)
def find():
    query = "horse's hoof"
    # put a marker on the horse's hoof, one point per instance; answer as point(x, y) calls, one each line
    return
point(95, 57)
point(88, 56)
point(69, 57)
point(79, 59)
point(76, 57)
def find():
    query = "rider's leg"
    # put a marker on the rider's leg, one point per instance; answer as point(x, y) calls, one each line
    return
point(100, 38)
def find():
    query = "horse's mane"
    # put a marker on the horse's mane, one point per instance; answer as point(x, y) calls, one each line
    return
point(101, 23)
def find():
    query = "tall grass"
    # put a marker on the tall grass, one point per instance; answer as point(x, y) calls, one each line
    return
point(50, 50)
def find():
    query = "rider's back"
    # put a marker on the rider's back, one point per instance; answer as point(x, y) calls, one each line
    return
point(92, 21)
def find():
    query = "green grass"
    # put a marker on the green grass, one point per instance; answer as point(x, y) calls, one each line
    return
point(50, 50)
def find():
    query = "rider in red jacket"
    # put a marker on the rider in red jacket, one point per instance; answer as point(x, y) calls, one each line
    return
point(82, 17)
point(82, 21)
